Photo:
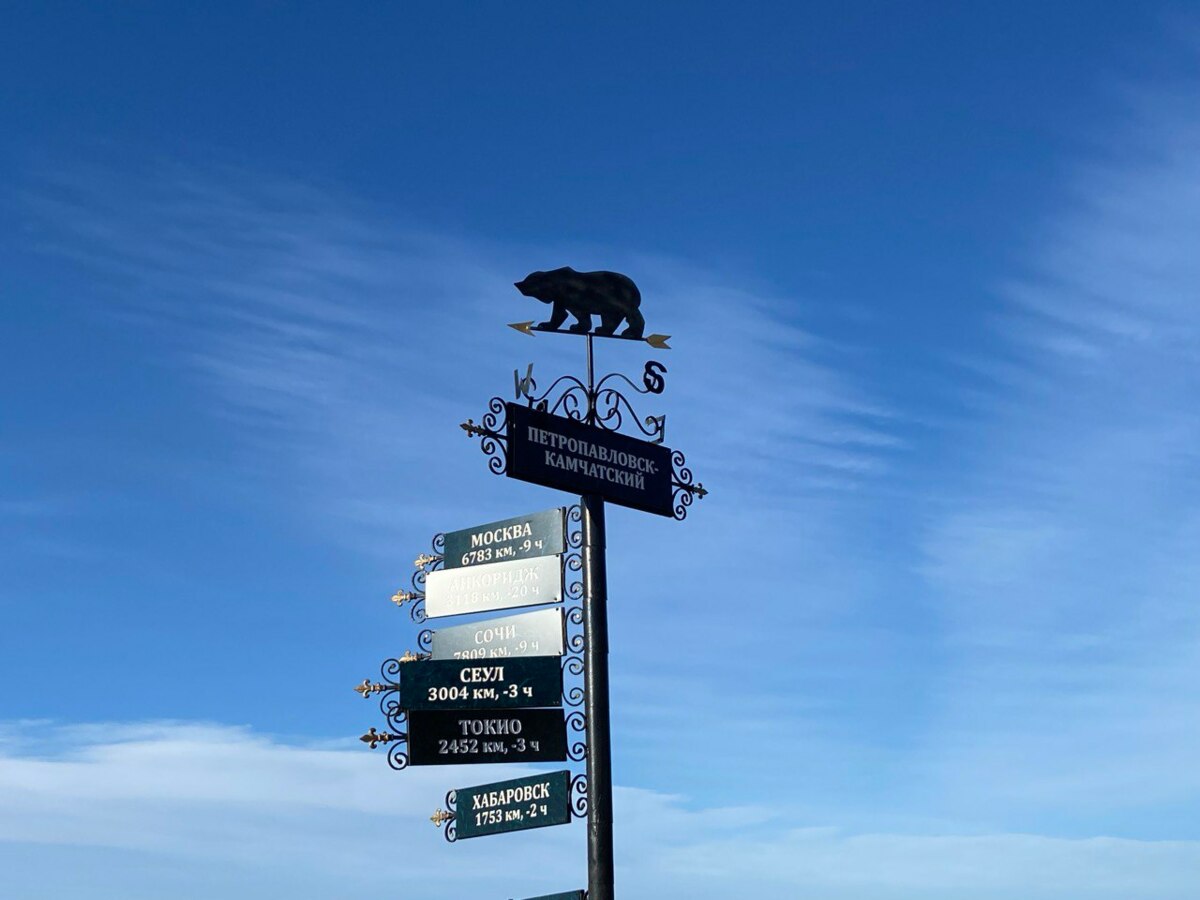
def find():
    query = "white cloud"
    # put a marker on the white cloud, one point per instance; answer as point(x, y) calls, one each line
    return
point(190, 809)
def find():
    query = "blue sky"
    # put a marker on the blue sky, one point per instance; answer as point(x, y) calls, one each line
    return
point(931, 275)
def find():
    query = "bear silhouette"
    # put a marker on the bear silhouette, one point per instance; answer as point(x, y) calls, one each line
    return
point(609, 295)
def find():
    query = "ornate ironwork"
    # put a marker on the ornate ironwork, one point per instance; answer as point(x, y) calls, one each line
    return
point(684, 489)
point(374, 738)
point(430, 560)
point(605, 405)
point(575, 527)
point(577, 722)
point(447, 817)
point(425, 640)
point(494, 444)
point(397, 758)
point(416, 595)
point(575, 641)
point(572, 665)
point(367, 688)
point(579, 795)
point(573, 558)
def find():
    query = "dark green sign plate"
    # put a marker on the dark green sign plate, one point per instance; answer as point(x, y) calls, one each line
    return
point(563, 453)
point(483, 684)
point(515, 805)
point(540, 633)
point(453, 737)
point(537, 534)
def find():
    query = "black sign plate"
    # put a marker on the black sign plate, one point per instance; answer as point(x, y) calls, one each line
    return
point(486, 684)
point(515, 805)
point(537, 534)
point(562, 453)
point(453, 737)
point(538, 633)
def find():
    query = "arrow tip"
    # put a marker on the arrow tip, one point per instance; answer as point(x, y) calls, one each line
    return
point(523, 327)
point(658, 341)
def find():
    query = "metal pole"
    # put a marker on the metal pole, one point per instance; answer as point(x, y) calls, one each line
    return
point(591, 385)
point(595, 682)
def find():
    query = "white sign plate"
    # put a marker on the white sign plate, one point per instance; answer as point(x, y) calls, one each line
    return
point(501, 585)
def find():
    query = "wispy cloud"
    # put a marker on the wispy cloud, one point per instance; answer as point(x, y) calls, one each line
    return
point(344, 343)
point(1065, 562)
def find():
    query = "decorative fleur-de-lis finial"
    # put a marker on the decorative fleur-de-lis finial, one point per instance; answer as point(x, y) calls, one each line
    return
point(409, 656)
point(402, 597)
point(374, 738)
point(425, 559)
point(367, 688)
point(440, 817)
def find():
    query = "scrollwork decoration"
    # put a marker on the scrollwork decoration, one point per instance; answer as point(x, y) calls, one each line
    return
point(494, 443)
point(575, 526)
point(684, 489)
point(577, 722)
point(374, 738)
point(572, 696)
point(575, 642)
point(397, 758)
point(447, 818)
point(579, 795)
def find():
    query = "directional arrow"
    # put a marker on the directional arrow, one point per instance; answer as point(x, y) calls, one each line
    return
point(658, 341)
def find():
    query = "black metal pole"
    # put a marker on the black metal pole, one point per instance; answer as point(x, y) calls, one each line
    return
point(595, 683)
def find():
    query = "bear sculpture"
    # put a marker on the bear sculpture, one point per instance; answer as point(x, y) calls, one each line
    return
point(610, 295)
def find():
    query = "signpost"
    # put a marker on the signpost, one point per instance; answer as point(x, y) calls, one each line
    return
point(453, 737)
point(516, 805)
point(540, 633)
point(503, 684)
point(492, 691)
point(498, 585)
point(521, 537)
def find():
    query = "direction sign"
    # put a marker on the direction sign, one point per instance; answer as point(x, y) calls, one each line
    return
point(539, 633)
point(567, 454)
point(498, 585)
point(532, 802)
point(454, 684)
point(522, 537)
point(452, 737)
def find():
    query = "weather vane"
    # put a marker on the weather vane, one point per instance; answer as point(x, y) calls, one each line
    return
point(610, 295)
